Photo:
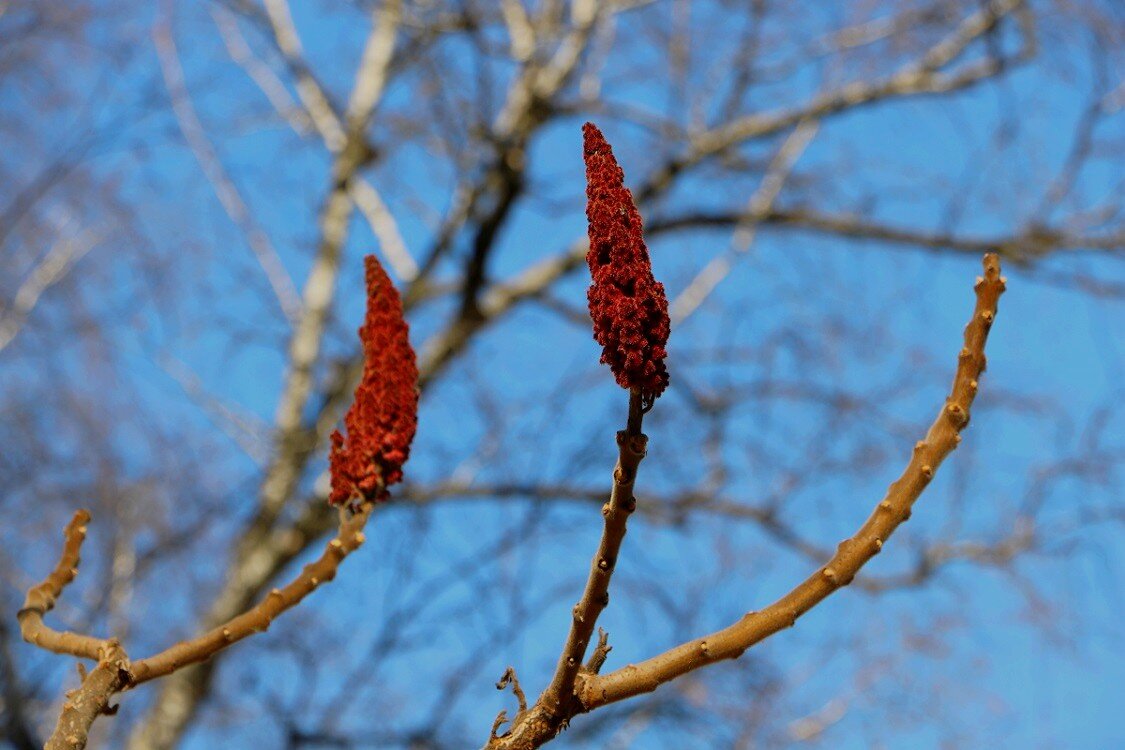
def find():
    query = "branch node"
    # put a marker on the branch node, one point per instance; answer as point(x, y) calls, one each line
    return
point(957, 415)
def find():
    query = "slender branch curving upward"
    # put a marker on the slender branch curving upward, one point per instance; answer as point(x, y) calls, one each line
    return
point(258, 619)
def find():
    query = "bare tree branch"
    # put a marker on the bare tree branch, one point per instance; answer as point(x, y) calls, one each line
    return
point(895, 508)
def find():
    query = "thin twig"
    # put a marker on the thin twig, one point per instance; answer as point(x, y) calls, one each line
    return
point(557, 703)
point(757, 208)
point(53, 268)
point(631, 445)
point(225, 189)
point(258, 619)
point(601, 652)
point(509, 678)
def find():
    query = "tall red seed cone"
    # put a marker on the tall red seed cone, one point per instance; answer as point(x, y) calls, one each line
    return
point(627, 305)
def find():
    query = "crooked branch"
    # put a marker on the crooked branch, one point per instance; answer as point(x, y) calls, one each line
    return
point(558, 701)
point(41, 599)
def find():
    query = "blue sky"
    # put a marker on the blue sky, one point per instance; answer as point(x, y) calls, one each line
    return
point(968, 658)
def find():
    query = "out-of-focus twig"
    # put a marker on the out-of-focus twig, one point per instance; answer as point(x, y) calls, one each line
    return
point(225, 189)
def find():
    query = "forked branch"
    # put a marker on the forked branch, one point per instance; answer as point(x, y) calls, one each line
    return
point(575, 690)
point(114, 672)
point(851, 554)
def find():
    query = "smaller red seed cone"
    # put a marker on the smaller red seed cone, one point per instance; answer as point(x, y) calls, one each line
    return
point(383, 417)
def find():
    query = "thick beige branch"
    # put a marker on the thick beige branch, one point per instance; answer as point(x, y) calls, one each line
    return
point(374, 67)
point(41, 599)
point(91, 699)
point(941, 439)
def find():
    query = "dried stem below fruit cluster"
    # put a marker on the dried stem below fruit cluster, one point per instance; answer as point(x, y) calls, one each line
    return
point(559, 701)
